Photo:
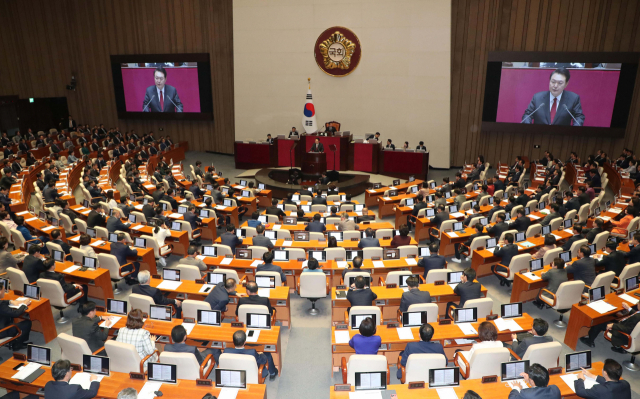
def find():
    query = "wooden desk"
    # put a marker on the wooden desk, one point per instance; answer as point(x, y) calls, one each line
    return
point(389, 300)
point(145, 256)
point(39, 313)
point(264, 196)
point(300, 226)
point(255, 155)
point(403, 164)
point(371, 195)
point(315, 244)
point(110, 386)
point(583, 318)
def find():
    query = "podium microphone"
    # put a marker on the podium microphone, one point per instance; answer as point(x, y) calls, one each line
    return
point(145, 107)
point(574, 119)
point(174, 104)
point(529, 116)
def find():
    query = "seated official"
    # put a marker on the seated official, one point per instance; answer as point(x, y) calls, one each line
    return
point(301, 217)
point(60, 388)
point(576, 229)
point(423, 346)
point(318, 199)
point(356, 265)
point(441, 215)
point(115, 224)
point(479, 233)
point(366, 343)
point(549, 244)
point(70, 290)
point(633, 256)
point(401, 239)
point(87, 327)
point(260, 240)
point(619, 329)
point(33, 264)
point(316, 225)
point(230, 238)
point(218, 297)
point(522, 342)
point(359, 294)
point(500, 227)
point(584, 268)
point(521, 223)
point(191, 217)
point(313, 266)
point(141, 339)
point(345, 223)
point(488, 335)
point(179, 338)
point(414, 295)
point(96, 217)
point(433, 261)
point(274, 210)
point(554, 214)
point(7, 316)
point(192, 259)
point(239, 339)
point(555, 276)
point(591, 234)
point(467, 289)
point(389, 145)
point(268, 266)
point(145, 289)
point(613, 260)
point(505, 253)
point(121, 251)
point(55, 238)
point(538, 379)
point(422, 148)
point(608, 385)
point(369, 241)
point(254, 222)
point(253, 298)
point(6, 258)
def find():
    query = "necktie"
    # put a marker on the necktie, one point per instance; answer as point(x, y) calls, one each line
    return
point(162, 102)
point(553, 110)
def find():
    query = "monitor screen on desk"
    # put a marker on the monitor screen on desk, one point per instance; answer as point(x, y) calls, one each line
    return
point(39, 354)
point(58, 256)
point(243, 253)
point(5, 283)
point(546, 230)
point(88, 261)
point(290, 220)
point(216, 277)
point(95, 364)
point(520, 237)
point(444, 377)
point(424, 251)
point(159, 312)
point(270, 234)
point(171, 274)
point(91, 232)
point(209, 317)
point(113, 237)
point(352, 254)
point(577, 361)
point(117, 307)
point(281, 255)
point(465, 315)
point(258, 320)
point(535, 264)
point(338, 235)
point(231, 378)
point(301, 236)
point(631, 283)
point(176, 226)
point(512, 370)
point(356, 319)
point(568, 223)
point(358, 207)
point(371, 380)
point(509, 310)
point(491, 242)
point(209, 250)
point(140, 242)
point(266, 281)
point(32, 291)
point(320, 256)
point(392, 253)
point(454, 277)
point(414, 319)
point(596, 294)
point(566, 256)
point(166, 373)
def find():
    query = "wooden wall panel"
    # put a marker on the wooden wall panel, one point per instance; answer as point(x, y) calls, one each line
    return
point(480, 26)
point(43, 42)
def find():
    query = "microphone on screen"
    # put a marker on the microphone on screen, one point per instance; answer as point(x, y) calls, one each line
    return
point(574, 119)
point(145, 107)
point(529, 116)
point(174, 104)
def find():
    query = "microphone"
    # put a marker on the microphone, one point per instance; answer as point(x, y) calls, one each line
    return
point(174, 104)
point(574, 119)
point(145, 107)
point(529, 116)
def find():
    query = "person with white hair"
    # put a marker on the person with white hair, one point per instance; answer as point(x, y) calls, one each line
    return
point(145, 289)
point(128, 393)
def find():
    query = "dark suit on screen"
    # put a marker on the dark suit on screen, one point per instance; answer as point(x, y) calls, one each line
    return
point(543, 115)
point(172, 101)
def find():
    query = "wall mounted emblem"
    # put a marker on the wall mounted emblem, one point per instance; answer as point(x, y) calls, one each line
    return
point(337, 51)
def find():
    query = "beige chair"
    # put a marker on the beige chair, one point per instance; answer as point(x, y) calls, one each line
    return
point(546, 354)
point(73, 348)
point(602, 280)
point(258, 251)
point(437, 275)
point(555, 223)
point(102, 233)
point(140, 218)
point(484, 306)
point(250, 231)
point(349, 235)
point(81, 225)
point(315, 235)
point(348, 275)
point(570, 214)
point(192, 234)
point(19, 241)
point(550, 255)
point(65, 222)
point(6, 233)
point(476, 243)
point(504, 233)
point(158, 252)
point(407, 250)
point(447, 225)
point(319, 208)
point(517, 263)
point(190, 307)
point(628, 271)
point(233, 361)
point(568, 294)
point(632, 346)
point(223, 250)
point(277, 277)
point(483, 362)
point(77, 254)
point(333, 253)
point(142, 302)
point(188, 366)
point(313, 286)
point(52, 290)
point(188, 272)
point(283, 234)
point(363, 364)
point(418, 366)
point(363, 310)
point(430, 308)
point(116, 272)
point(243, 310)
point(583, 213)
point(601, 240)
point(575, 247)
point(394, 277)
point(368, 253)
point(230, 273)
point(124, 358)
point(533, 230)
point(494, 217)
point(17, 278)
point(381, 233)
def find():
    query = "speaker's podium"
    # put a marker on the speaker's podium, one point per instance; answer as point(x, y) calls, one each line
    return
point(314, 163)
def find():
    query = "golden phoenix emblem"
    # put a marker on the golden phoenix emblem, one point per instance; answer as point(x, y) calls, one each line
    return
point(337, 51)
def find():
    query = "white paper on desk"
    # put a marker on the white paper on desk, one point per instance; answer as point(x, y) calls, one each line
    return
point(148, 389)
point(83, 379)
point(71, 269)
point(221, 207)
point(48, 228)
point(287, 243)
point(115, 320)
point(467, 329)
point(138, 227)
point(605, 218)
point(305, 263)
point(534, 217)
point(276, 227)
point(228, 393)
point(342, 337)
point(568, 231)
point(342, 264)
point(169, 285)
point(86, 212)
point(226, 261)
point(464, 341)
point(452, 234)
point(457, 214)
point(31, 219)
point(557, 237)
point(29, 368)
point(138, 207)
point(97, 243)
point(175, 215)
point(264, 292)
point(531, 276)
point(512, 384)
point(273, 242)
point(202, 205)
point(205, 286)
point(386, 198)
point(254, 338)
point(378, 263)
point(256, 263)
point(22, 213)
point(404, 333)
point(615, 210)
point(446, 393)
point(601, 307)
point(372, 191)
point(411, 261)
point(188, 327)
point(201, 257)
point(453, 285)
point(569, 379)
point(182, 201)
point(629, 299)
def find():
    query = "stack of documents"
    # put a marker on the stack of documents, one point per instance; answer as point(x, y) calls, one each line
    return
point(601, 307)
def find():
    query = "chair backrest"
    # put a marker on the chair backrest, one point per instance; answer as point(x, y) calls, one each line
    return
point(190, 307)
point(568, 294)
point(419, 364)
point(251, 231)
point(447, 225)
point(81, 225)
point(283, 234)
point(430, 308)
point(476, 243)
point(18, 239)
point(244, 309)
point(628, 271)
point(52, 290)
point(575, 247)
point(313, 285)
point(346, 208)
point(381, 233)
point(140, 218)
point(484, 305)
point(188, 366)
point(601, 240)
point(583, 213)
point(532, 204)
point(73, 348)
point(545, 354)
point(487, 361)
point(495, 215)
point(142, 302)
point(504, 233)
point(296, 253)
point(533, 230)
point(123, 357)
point(348, 275)
point(6, 233)
point(188, 272)
point(290, 208)
point(368, 253)
point(465, 206)
point(555, 223)
point(276, 275)
point(66, 223)
point(364, 364)
point(316, 235)
point(230, 273)
point(570, 214)
point(518, 263)
point(102, 232)
point(394, 277)
point(635, 339)
point(348, 235)
point(234, 361)
point(257, 251)
point(406, 250)
point(604, 280)
point(333, 253)
point(437, 275)
point(17, 278)
point(223, 249)
point(110, 262)
point(356, 310)
point(550, 255)
point(318, 208)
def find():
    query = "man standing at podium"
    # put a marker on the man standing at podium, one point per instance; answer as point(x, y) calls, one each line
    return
point(317, 146)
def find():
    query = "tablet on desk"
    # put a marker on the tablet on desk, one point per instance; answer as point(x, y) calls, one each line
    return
point(117, 307)
point(320, 256)
point(280, 255)
point(270, 234)
point(32, 291)
point(566, 256)
point(209, 317)
point(596, 294)
point(171, 274)
point(243, 253)
point(258, 320)
point(356, 319)
point(89, 263)
point(454, 277)
point(301, 236)
point(338, 235)
point(509, 310)
point(182, 209)
point(546, 230)
point(465, 315)
point(424, 251)
point(165, 373)
point(535, 264)
point(266, 281)
point(577, 361)
point(113, 237)
point(352, 254)
point(389, 254)
point(216, 277)
point(231, 379)
point(209, 250)
point(160, 312)
point(512, 370)
point(444, 377)
point(414, 319)
point(371, 380)
point(39, 354)
point(520, 237)
point(140, 242)
point(91, 232)
point(58, 256)
point(631, 283)
point(95, 364)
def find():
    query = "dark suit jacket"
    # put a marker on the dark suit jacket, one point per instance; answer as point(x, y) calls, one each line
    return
point(172, 101)
point(193, 219)
point(591, 235)
point(157, 195)
point(319, 200)
point(468, 291)
point(270, 267)
point(521, 224)
point(573, 203)
point(548, 392)
point(114, 223)
point(274, 210)
point(316, 227)
point(567, 245)
point(318, 148)
point(498, 229)
point(231, 240)
point(625, 326)
point(89, 330)
point(7, 314)
point(148, 212)
point(64, 390)
point(439, 218)
point(614, 262)
point(154, 293)
point(547, 219)
point(520, 347)
point(218, 298)
point(363, 297)
point(543, 115)
point(419, 347)
point(68, 289)
point(506, 253)
point(121, 252)
point(32, 267)
point(633, 256)
point(432, 262)
point(368, 242)
point(555, 277)
point(254, 300)
point(96, 219)
point(523, 199)
point(413, 296)
point(184, 348)
point(603, 389)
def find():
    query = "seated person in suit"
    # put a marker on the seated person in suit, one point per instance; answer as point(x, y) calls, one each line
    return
point(459, 198)
point(479, 233)
point(268, 266)
point(274, 210)
point(60, 388)
point(348, 200)
point(253, 298)
point(359, 295)
point(70, 290)
point(366, 343)
point(316, 225)
point(414, 295)
point(300, 216)
point(7, 316)
point(576, 229)
point(549, 244)
point(122, 251)
point(318, 199)
point(441, 215)
point(591, 234)
point(521, 223)
point(555, 276)
point(423, 346)
point(488, 335)
point(293, 132)
point(179, 338)
point(508, 251)
point(355, 267)
point(620, 329)
point(369, 240)
point(500, 227)
point(467, 289)
point(401, 239)
point(521, 342)
point(421, 146)
point(158, 298)
point(613, 260)
point(33, 264)
point(538, 379)
point(608, 385)
point(191, 258)
point(260, 240)
point(218, 297)
point(476, 208)
point(633, 256)
point(87, 327)
point(554, 214)
point(389, 145)
point(346, 224)
point(96, 216)
point(239, 339)
point(254, 222)
point(573, 203)
point(433, 261)
point(230, 238)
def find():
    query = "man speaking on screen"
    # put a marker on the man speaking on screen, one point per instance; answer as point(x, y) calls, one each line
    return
point(161, 97)
point(556, 106)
